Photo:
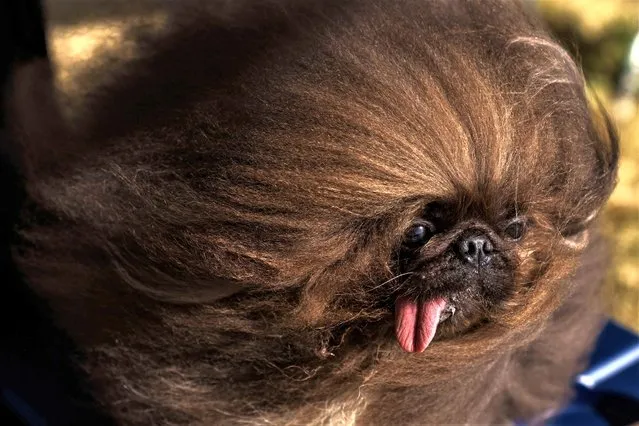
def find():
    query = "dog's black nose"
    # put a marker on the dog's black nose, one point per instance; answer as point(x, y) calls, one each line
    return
point(475, 249)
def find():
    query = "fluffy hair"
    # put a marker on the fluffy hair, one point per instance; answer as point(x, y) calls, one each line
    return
point(217, 232)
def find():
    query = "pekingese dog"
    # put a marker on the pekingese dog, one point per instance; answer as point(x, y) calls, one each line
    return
point(362, 212)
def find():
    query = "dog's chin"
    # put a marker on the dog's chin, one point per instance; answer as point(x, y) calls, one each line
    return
point(418, 321)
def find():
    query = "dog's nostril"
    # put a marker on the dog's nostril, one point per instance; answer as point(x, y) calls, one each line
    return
point(475, 249)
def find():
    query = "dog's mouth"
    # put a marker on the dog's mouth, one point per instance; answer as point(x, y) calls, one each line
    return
point(416, 321)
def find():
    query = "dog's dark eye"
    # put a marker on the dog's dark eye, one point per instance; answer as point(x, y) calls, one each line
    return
point(516, 229)
point(419, 234)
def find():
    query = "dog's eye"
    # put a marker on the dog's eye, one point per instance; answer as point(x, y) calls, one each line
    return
point(516, 229)
point(419, 234)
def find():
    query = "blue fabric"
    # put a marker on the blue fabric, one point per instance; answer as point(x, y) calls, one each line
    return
point(607, 392)
point(614, 366)
point(578, 414)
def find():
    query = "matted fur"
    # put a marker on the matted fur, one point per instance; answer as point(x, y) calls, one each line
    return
point(216, 233)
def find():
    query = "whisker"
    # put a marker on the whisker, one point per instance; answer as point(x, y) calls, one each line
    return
point(392, 279)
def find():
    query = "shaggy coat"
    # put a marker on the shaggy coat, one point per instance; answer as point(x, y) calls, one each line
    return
point(221, 231)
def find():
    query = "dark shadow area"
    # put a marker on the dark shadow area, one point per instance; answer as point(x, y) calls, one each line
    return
point(618, 410)
point(37, 377)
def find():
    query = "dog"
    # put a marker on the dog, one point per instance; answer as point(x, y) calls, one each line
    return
point(323, 212)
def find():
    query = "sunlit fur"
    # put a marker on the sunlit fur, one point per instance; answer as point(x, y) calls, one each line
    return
point(216, 233)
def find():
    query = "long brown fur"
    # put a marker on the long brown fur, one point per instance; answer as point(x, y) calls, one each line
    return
point(211, 232)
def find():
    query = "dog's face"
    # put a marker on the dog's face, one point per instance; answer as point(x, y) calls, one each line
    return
point(457, 268)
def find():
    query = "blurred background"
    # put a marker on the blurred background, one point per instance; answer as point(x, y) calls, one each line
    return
point(603, 35)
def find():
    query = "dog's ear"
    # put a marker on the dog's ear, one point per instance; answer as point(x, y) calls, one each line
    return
point(607, 148)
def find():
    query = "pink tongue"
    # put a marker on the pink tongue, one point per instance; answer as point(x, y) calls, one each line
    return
point(416, 324)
